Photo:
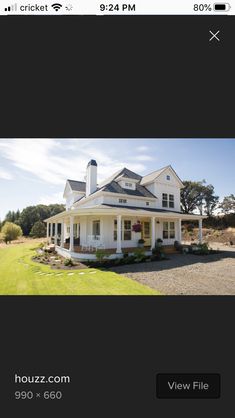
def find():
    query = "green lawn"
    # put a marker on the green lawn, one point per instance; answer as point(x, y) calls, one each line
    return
point(19, 275)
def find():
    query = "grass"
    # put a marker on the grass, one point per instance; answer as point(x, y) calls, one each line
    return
point(19, 275)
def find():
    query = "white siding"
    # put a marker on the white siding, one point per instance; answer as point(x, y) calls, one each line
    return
point(71, 197)
point(162, 185)
point(131, 201)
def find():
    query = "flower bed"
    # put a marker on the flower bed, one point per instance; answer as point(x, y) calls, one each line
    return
point(55, 261)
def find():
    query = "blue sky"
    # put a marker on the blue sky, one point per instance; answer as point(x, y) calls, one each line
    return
point(34, 171)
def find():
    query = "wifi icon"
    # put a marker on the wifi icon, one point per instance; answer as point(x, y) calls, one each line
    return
point(56, 6)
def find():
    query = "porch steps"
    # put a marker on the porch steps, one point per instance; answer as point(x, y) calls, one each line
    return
point(169, 249)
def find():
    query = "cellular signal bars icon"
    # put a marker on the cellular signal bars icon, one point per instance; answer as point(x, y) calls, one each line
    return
point(12, 8)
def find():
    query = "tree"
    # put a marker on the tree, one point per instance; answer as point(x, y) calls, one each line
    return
point(210, 199)
point(198, 195)
point(32, 214)
point(11, 231)
point(38, 230)
point(228, 204)
point(28, 217)
point(192, 195)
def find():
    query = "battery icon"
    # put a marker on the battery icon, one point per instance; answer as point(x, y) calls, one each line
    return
point(221, 7)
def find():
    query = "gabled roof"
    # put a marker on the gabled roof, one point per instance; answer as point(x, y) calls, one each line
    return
point(77, 186)
point(124, 172)
point(140, 191)
point(129, 174)
point(149, 178)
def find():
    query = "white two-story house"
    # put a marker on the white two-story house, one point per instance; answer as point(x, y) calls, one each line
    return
point(116, 213)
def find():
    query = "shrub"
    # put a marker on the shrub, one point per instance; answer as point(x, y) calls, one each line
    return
point(139, 254)
point(11, 231)
point(68, 262)
point(100, 254)
point(157, 253)
point(202, 249)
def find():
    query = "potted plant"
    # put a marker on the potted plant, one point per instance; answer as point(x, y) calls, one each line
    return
point(158, 242)
point(141, 242)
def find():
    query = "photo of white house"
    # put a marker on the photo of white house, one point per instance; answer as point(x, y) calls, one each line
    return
point(117, 216)
point(118, 213)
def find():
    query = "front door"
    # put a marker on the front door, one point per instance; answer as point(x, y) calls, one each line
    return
point(145, 234)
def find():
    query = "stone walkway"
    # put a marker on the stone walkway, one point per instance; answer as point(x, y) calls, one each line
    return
point(187, 274)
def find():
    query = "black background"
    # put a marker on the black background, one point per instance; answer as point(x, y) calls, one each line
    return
point(116, 77)
point(113, 347)
point(113, 76)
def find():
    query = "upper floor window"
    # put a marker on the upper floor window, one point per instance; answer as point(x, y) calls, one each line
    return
point(171, 201)
point(168, 200)
point(168, 177)
point(122, 200)
point(164, 200)
point(147, 203)
point(128, 184)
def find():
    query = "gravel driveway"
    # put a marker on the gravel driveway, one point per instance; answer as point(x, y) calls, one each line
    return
point(187, 274)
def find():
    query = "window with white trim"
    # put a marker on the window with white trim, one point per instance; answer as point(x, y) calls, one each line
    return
point(147, 203)
point(96, 229)
point(164, 200)
point(122, 200)
point(168, 177)
point(168, 201)
point(168, 230)
point(125, 230)
point(128, 184)
point(171, 201)
point(115, 230)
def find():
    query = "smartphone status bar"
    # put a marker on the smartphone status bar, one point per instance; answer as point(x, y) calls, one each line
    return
point(135, 7)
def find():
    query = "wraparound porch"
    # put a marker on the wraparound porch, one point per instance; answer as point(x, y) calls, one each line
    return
point(83, 233)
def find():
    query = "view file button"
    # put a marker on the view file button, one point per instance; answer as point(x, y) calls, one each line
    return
point(188, 386)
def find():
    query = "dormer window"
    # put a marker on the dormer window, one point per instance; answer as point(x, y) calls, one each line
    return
point(122, 200)
point(168, 177)
point(128, 184)
point(147, 203)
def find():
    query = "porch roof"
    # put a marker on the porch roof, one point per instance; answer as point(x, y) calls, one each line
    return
point(106, 209)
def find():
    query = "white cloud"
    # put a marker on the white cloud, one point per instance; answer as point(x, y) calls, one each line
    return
point(55, 160)
point(142, 148)
point(5, 175)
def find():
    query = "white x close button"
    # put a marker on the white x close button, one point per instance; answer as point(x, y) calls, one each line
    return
point(214, 36)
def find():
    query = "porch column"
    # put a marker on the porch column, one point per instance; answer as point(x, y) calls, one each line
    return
point(153, 232)
point(48, 230)
point(180, 231)
point(51, 231)
point(200, 230)
point(56, 233)
point(62, 235)
point(71, 246)
point(119, 234)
